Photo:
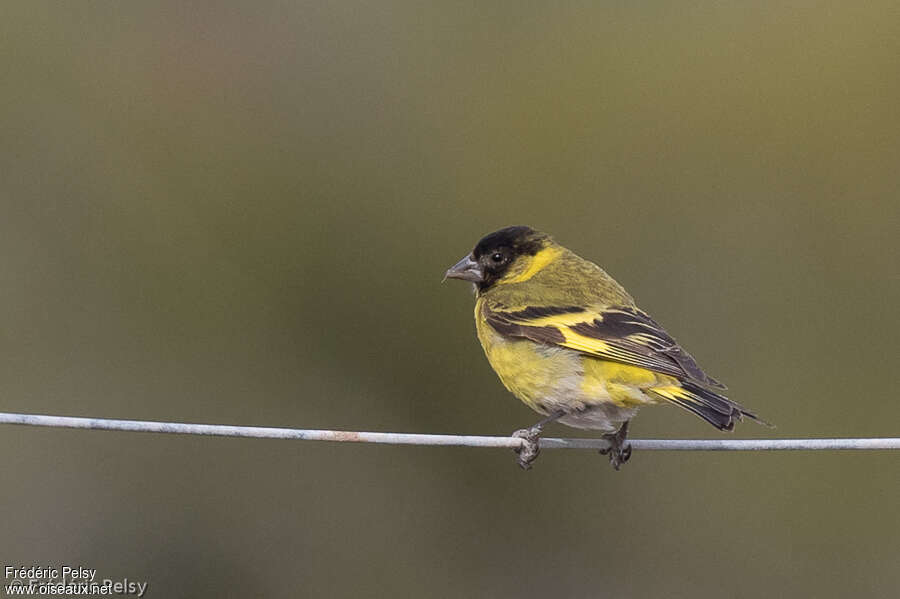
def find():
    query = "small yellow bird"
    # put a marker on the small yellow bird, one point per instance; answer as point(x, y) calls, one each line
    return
point(568, 341)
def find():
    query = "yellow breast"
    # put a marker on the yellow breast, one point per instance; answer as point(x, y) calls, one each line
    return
point(535, 374)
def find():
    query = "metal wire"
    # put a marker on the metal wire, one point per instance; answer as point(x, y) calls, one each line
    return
point(220, 430)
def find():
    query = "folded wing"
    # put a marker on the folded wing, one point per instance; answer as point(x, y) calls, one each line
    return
point(620, 334)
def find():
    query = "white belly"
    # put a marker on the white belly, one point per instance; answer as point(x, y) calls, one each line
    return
point(604, 417)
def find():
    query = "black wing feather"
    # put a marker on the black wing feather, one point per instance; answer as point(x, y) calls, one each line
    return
point(631, 335)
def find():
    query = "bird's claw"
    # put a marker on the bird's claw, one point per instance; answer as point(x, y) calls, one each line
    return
point(530, 448)
point(617, 451)
point(618, 455)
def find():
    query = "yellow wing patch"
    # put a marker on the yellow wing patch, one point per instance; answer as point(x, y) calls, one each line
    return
point(620, 334)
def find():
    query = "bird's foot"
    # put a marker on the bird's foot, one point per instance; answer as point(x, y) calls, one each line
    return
point(530, 448)
point(618, 450)
point(618, 455)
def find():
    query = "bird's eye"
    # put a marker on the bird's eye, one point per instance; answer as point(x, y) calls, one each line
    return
point(497, 257)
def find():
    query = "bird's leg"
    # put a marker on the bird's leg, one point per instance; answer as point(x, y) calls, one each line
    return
point(618, 451)
point(530, 448)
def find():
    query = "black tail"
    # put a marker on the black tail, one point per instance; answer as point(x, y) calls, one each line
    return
point(716, 409)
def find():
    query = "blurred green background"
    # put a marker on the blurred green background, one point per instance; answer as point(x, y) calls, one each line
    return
point(237, 212)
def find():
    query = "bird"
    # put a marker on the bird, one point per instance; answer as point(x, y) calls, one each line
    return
point(568, 341)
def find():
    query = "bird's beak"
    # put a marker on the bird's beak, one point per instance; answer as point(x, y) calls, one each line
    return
point(467, 270)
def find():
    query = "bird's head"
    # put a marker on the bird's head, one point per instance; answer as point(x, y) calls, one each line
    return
point(510, 255)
